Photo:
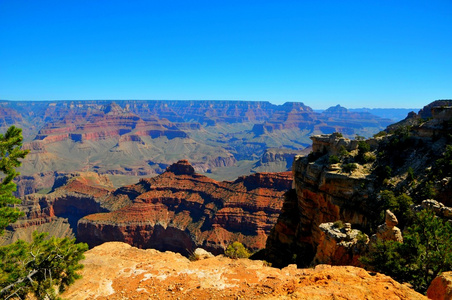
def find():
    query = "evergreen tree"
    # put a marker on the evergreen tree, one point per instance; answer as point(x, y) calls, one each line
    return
point(10, 153)
point(45, 263)
point(426, 251)
point(40, 266)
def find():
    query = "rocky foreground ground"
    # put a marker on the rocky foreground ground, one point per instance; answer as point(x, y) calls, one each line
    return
point(118, 271)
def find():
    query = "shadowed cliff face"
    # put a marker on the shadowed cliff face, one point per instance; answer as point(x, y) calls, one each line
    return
point(321, 195)
point(180, 210)
point(411, 158)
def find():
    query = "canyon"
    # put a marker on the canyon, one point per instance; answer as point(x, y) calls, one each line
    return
point(327, 210)
point(130, 139)
point(179, 210)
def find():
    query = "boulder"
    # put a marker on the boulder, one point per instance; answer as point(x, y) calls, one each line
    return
point(441, 287)
point(339, 246)
point(388, 231)
point(200, 253)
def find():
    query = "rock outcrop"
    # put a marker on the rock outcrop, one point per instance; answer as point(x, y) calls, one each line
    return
point(388, 231)
point(321, 195)
point(181, 210)
point(119, 271)
point(441, 287)
point(342, 180)
point(439, 208)
point(340, 246)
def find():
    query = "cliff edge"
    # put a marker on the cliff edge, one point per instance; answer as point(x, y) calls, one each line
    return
point(118, 271)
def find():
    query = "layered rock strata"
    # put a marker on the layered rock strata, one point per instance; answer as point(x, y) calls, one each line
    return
point(321, 195)
point(75, 195)
point(181, 210)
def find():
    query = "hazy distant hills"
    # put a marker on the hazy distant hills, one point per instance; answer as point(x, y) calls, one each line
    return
point(126, 139)
point(394, 114)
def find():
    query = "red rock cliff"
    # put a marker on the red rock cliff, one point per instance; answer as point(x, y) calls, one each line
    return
point(180, 210)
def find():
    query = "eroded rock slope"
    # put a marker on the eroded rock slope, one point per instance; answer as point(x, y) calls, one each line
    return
point(181, 210)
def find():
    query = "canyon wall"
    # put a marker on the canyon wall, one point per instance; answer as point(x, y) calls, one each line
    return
point(181, 210)
point(342, 180)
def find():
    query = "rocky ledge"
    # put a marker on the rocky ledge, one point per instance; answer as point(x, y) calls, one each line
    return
point(118, 271)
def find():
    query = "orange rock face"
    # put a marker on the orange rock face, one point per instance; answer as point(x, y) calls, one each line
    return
point(180, 210)
point(441, 287)
point(119, 271)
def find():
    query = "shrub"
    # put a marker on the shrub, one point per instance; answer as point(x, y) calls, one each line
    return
point(399, 205)
point(380, 134)
point(443, 165)
point(429, 191)
point(410, 174)
point(425, 252)
point(40, 266)
point(362, 238)
point(338, 224)
point(363, 147)
point(359, 137)
point(343, 152)
point(349, 168)
point(388, 172)
point(333, 159)
point(369, 157)
point(237, 250)
point(383, 173)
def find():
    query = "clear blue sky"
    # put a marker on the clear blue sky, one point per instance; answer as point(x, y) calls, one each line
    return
point(379, 53)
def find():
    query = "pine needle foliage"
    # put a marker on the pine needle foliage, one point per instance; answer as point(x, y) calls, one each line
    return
point(40, 266)
point(44, 267)
point(426, 251)
point(10, 155)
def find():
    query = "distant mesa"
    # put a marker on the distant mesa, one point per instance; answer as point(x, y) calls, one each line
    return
point(182, 167)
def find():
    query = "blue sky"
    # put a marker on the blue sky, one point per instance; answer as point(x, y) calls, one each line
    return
point(360, 53)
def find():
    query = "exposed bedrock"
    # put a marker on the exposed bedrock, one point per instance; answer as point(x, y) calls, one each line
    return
point(320, 195)
point(181, 210)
